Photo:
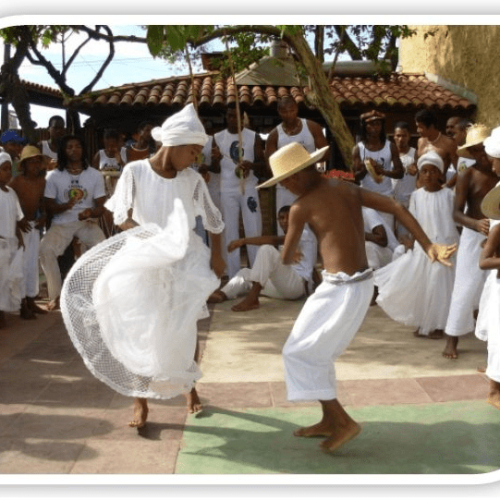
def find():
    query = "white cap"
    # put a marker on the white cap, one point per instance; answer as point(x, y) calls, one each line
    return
point(431, 158)
point(181, 128)
point(5, 157)
point(492, 143)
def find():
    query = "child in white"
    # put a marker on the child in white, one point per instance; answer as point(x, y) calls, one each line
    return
point(411, 290)
point(11, 255)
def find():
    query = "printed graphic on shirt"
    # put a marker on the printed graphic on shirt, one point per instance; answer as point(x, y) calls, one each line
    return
point(233, 152)
point(252, 204)
point(76, 191)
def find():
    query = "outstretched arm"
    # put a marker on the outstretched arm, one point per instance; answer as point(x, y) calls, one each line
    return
point(256, 240)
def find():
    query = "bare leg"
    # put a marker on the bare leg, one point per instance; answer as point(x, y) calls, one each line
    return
point(450, 350)
point(3, 323)
point(192, 399)
point(217, 297)
point(140, 413)
point(494, 394)
point(251, 301)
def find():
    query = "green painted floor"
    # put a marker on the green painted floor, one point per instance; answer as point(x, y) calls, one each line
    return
point(445, 438)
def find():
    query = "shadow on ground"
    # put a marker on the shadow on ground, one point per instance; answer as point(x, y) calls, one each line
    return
point(406, 439)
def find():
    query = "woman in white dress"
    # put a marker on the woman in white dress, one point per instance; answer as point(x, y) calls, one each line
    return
point(135, 322)
point(411, 290)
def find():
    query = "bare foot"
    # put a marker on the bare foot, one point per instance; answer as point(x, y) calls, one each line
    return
point(321, 429)
point(193, 401)
point(140, 413)
point(450, 350)
point(246, 305)
point(341, 436)
point(494, 394)
point(217, 297)
point(54, 305)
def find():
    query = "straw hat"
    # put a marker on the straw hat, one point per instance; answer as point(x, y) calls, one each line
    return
point(490, 205)
point(29, 152)
point(476, 134)
point(372, 116)
point(289, 160)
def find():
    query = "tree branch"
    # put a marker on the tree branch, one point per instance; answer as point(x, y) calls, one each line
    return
point(73, 56)
point(105, 64)
point(97, 35)
point(349, 45)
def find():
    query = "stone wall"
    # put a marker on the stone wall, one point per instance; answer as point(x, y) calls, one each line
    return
point(462, 57)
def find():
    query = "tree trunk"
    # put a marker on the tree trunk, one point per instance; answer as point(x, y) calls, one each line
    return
point(323, 98)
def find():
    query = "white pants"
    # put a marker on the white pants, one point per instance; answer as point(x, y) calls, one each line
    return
point(55, 241)
point(11, 275)
point(232, 203)
point(468, 284)
point(377, 256)
point(30, 262)
point(278, 281)
point(324, 328)
point(283, 197)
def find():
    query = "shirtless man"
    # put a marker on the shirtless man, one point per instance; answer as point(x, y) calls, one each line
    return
point(29, 187)
point(472, 186)
point(431, 139)
point(293, 129)
point(332, 208)
point(456, 128)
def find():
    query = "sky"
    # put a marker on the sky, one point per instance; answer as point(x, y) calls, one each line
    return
point(132, 63)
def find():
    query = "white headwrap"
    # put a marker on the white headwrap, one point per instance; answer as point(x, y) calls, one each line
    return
point(5, 157)
point(492, 143)
point(182, 128)
point(431, 158)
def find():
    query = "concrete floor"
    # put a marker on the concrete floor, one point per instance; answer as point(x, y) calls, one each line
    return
point(421, 413)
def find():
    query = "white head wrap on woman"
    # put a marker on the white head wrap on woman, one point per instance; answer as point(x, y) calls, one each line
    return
point(492, 143)
point(5, 157)
point(181, 128)
point(431, 158)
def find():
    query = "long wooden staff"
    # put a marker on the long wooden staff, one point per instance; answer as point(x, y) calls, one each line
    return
point(238, 117)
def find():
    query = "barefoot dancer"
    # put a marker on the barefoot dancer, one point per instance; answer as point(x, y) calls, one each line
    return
point(333, 314)
point(150, 293)
point(488, 321)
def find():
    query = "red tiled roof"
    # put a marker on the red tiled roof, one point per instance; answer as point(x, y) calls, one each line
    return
point(399, 91)
point(41, 88)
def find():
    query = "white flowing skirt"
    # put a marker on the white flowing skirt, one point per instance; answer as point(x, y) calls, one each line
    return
point(415, 291)
point(131, 305)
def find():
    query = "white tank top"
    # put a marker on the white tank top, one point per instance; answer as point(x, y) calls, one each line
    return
point(228, 146)
point(106, 163)
point(384, 158)
point(304, 137)
point(47, 151)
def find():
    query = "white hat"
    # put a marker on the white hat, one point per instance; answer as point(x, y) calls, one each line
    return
point(492, 143)
point(431, 158)
point(181, 128)
point(289, 160)
point(490, 206)
point(5, 157)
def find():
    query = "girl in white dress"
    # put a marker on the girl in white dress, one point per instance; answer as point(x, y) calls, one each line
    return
point(131, 304)
point(411, 290)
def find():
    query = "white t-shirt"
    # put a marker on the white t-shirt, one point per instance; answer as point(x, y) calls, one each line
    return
point(86, 187)
point(10, 213)
point(384, 158)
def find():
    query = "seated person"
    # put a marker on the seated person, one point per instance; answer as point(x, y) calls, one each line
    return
point(269, 275)
point(380, 241)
